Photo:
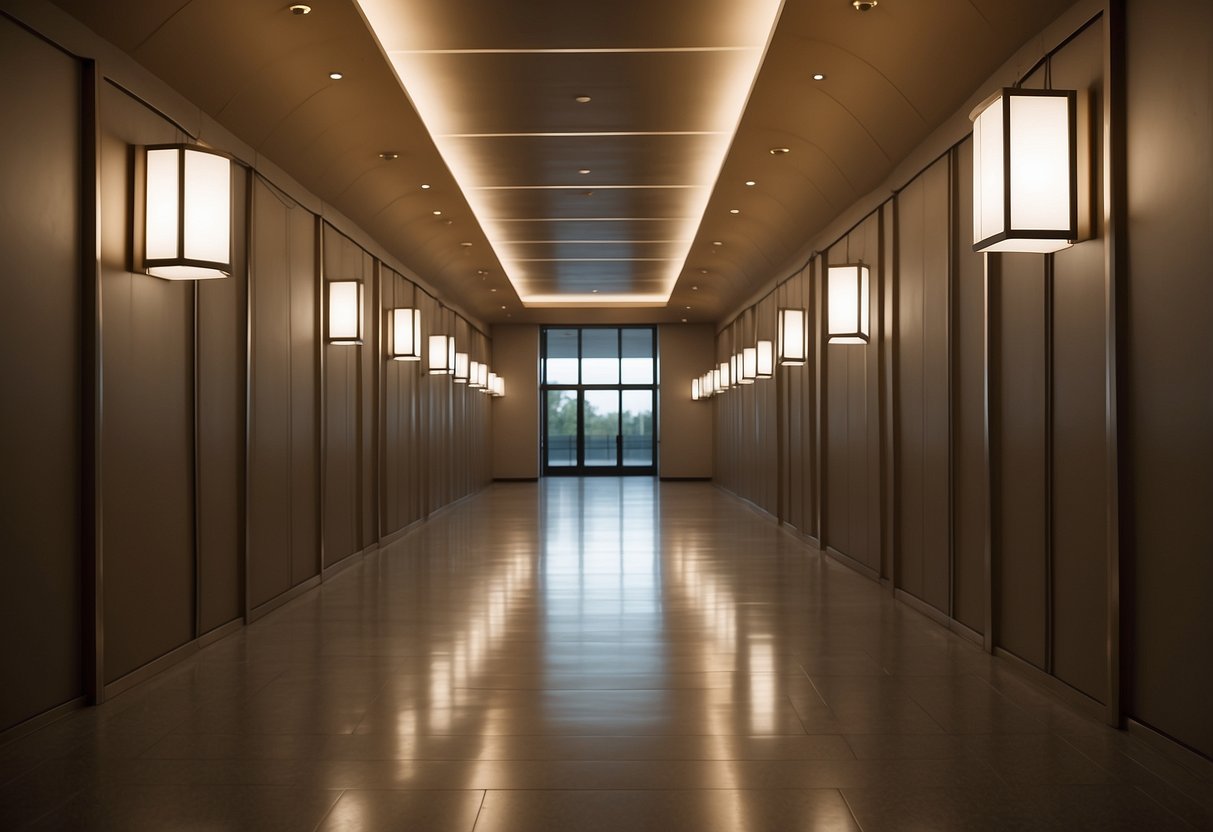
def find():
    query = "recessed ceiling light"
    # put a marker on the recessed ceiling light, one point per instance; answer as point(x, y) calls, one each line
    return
point(694, 288)
point(389, 156)
point(864, 5)
point(749, 183)
point(779, 151)
point(594, 291)
point(717, 242)
point(583, 99)
point(703, 271)
point(817, 76)
point(299, 8)
point(684, 320)
point(425, 187)
point(336, 76)
point(584, 171)
point(465, 245)
point(734, 210)
point(686, 307)
point(503, 307)
point(481, 272)
point(492, 290)
point(437, 213)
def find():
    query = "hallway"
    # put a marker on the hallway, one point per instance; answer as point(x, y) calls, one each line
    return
point(593, 654)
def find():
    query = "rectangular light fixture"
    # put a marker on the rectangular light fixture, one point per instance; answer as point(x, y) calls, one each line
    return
point(765, 359)
point(442, 355)
point(725, 380)
point(848, 295)
point(695, 389)
point(474, 374)
point(461, 368)
point(735, 370)
point(717, 382)
point(498, 387)
point(482, 378)
point(187, 231)
point(406, 334)
point(793, 337)
point(1025, 179)
point(749, 365)
point(345, 312)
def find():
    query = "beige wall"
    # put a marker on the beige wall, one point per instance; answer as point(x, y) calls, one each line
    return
point(684, 427)
point(516, 417)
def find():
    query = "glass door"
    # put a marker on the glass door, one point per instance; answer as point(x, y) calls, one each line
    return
point(599, 400)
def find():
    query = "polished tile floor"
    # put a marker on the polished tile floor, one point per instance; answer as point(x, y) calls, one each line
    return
point(597, 654)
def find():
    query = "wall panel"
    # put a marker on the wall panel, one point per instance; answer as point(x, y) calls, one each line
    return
point(40, 372)
point(971, 477)
point(148, 418)
point(1170, 351)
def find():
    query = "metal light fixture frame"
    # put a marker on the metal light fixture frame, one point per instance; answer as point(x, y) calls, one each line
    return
point(858, 330)
point(406, 334)
point(348, 333)
point(1008, 237)
point(194, 266)
point(793, 337)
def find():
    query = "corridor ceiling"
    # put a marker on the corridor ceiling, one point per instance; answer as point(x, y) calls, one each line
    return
point(633, 205)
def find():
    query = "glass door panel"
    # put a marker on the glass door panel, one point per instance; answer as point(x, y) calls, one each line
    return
point(637, 428)
point(560, 422)
point(600, 423)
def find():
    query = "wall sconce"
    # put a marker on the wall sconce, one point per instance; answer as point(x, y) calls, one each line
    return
point(461, 368)
point(474, 374)
point(1025, 185)
point(442, 355)
point(345, 312)
point(793, 337)
point(695, 389)
point(717, 382)
point(724, 382)
point(765, 359)
point(187, 233)
point(406, 335)
point(749, 365)
point(482, 378)
point(491, 385)
point(848, 294)
point(735, 370)
point(498, 386)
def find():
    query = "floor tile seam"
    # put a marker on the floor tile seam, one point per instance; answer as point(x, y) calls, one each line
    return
point(850, 810)
point(483, 794)
point(329, 811)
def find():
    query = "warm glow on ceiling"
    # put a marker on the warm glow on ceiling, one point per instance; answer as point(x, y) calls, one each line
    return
point(508, 159)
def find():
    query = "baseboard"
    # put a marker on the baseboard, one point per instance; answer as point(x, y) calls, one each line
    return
point(333, 569)
point(941, 618)
point(265, 608)
point(748, 503)
point(400, 533)
point(152, 668)
point(1189, 759)
point(1051, 684)
point(847, 560)
point(29, 726)
point(221, 632)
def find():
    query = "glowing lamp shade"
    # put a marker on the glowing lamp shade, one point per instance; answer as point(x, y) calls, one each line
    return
point(442, 355)
point(406, 334)
point(482, 377)
point(749, 365)
point(765, 359)
point(848, 291)
point(695, 389)
point(1025, 186)
point(793, 337)
point(474, 374)
point(725, 378)
point(491, 386)
point(188, 213)
point(345, 312)
point(735, 370)
point(498, 386)
point(461, 368)
point(717, 382)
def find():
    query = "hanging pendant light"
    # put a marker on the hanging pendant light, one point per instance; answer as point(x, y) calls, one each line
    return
point(793, 337)
point(187, 233)
point(848, 293)
point(1025, 181)
point(345, 312)
point(406, 334)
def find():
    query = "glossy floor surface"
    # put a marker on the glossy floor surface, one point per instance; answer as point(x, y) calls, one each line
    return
point(597, 654)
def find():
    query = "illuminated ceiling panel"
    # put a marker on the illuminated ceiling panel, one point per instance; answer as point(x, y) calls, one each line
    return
point(550, 176)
